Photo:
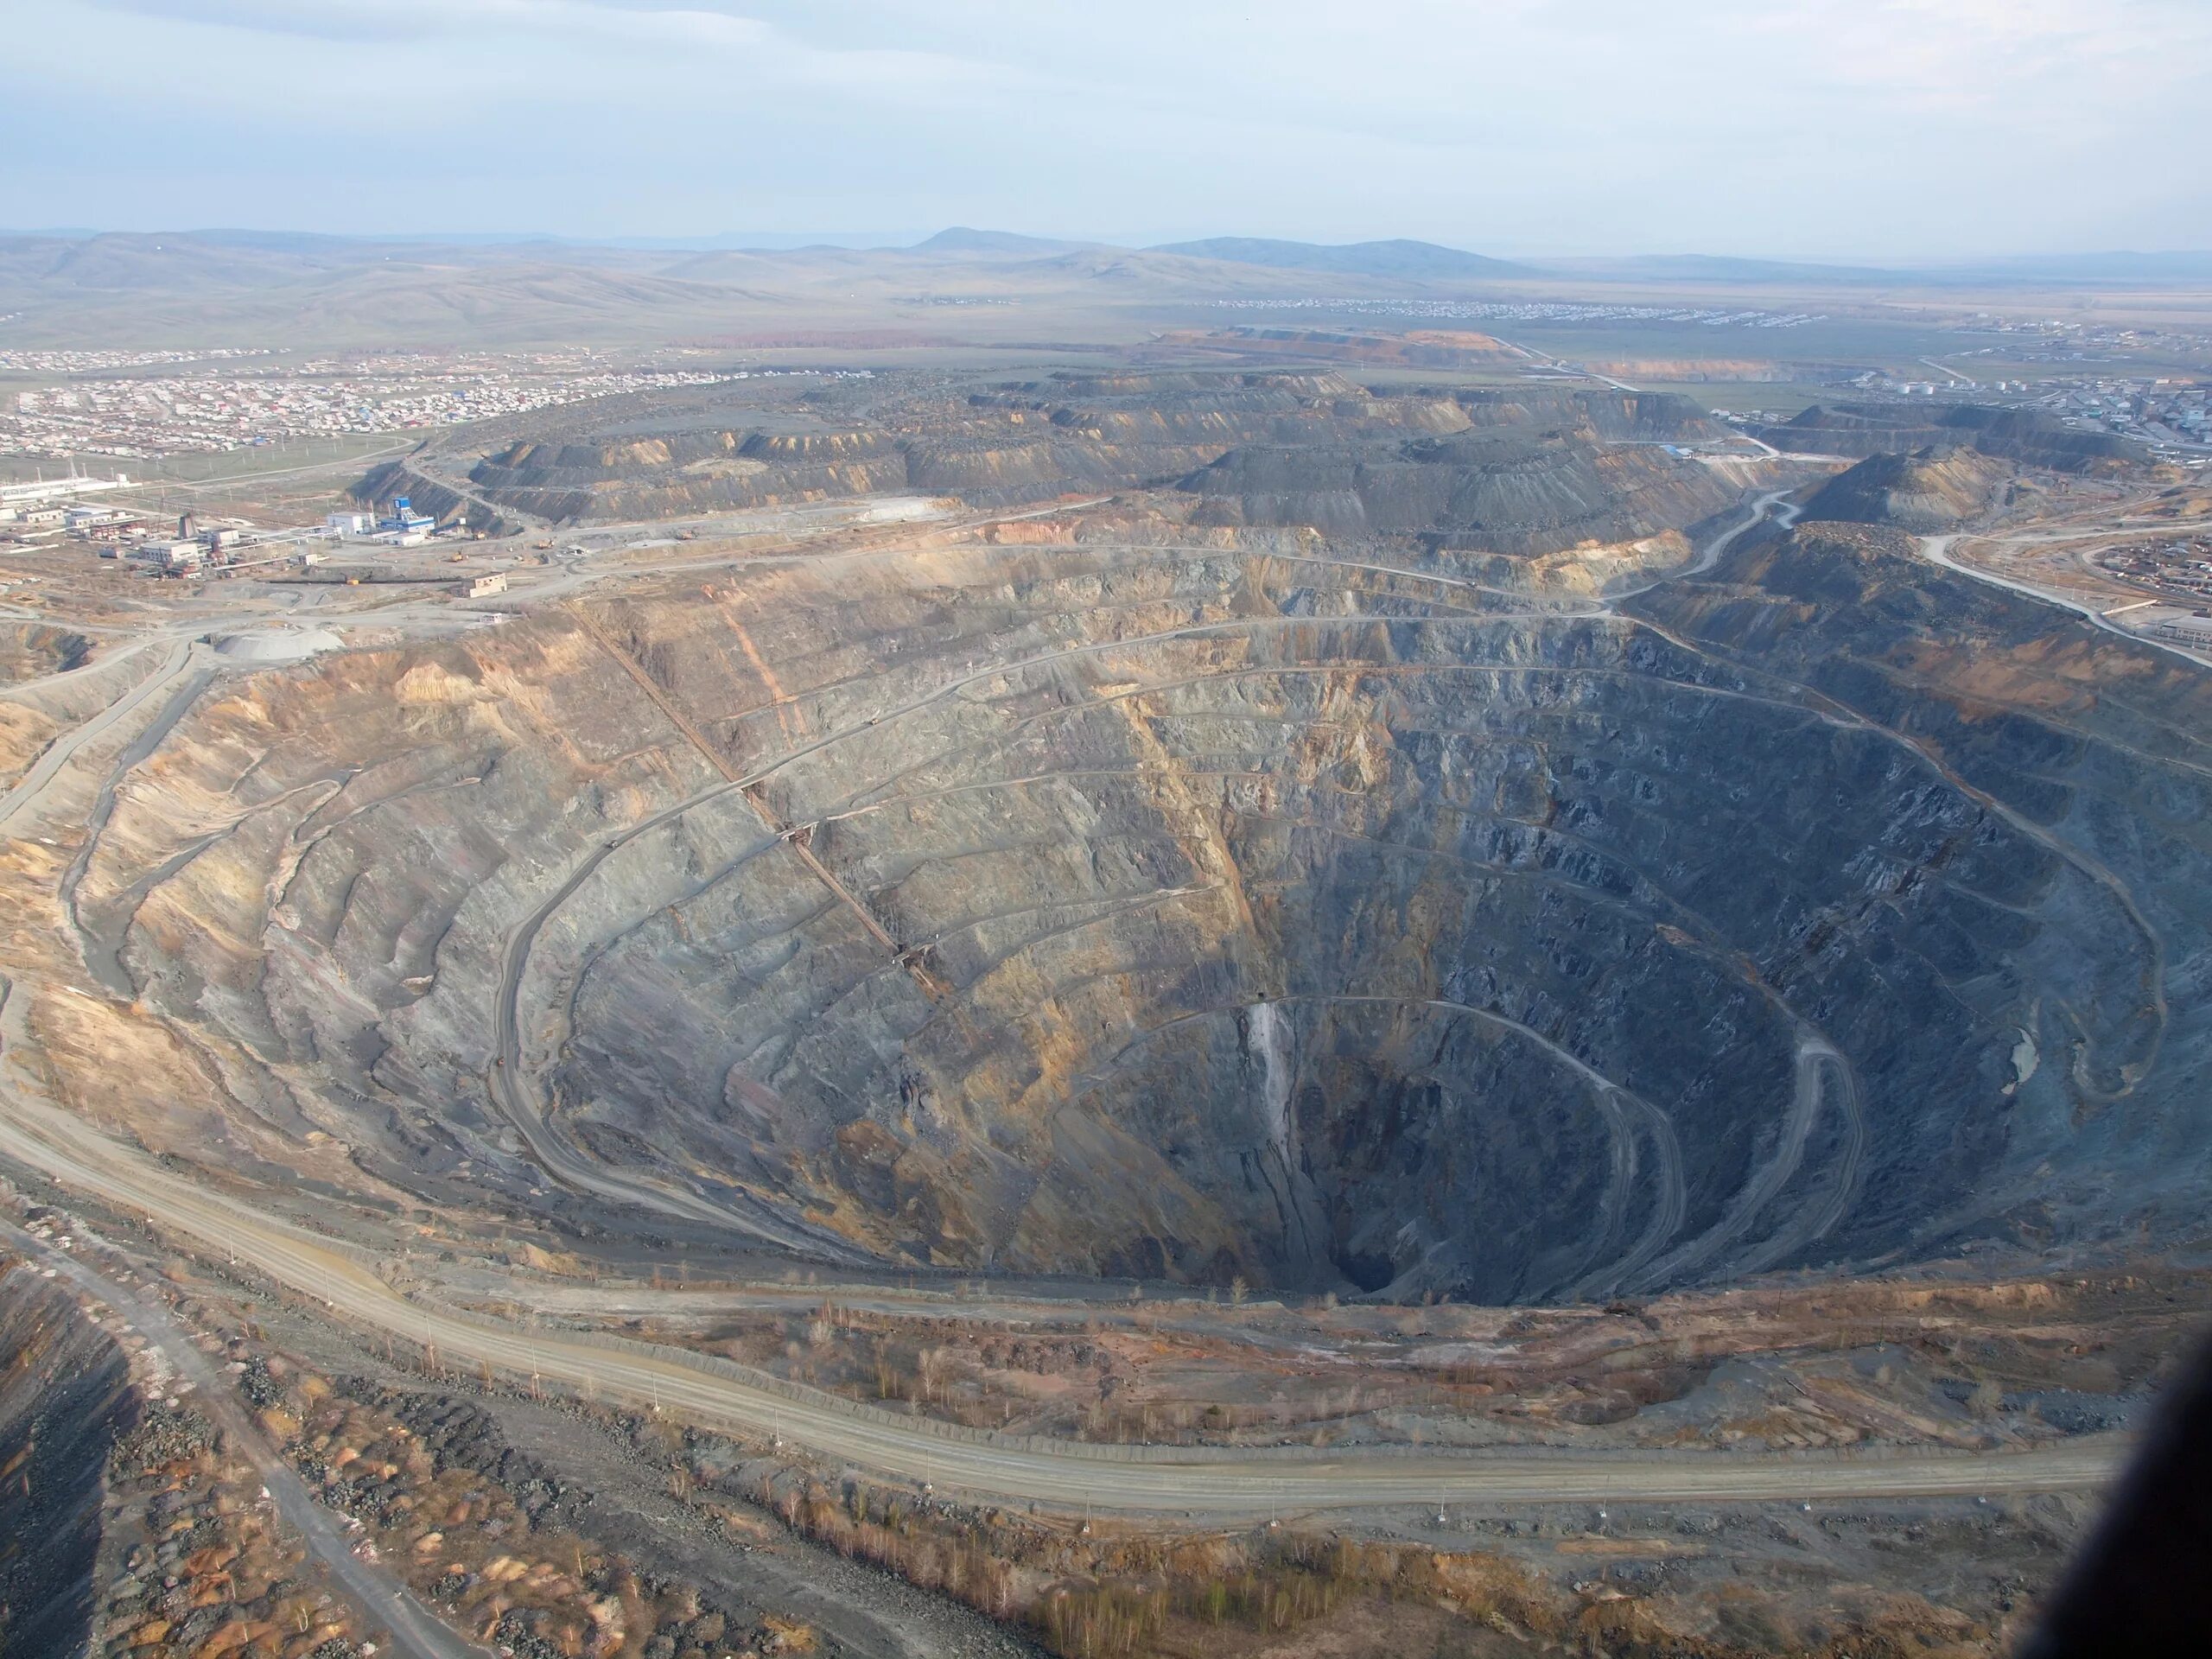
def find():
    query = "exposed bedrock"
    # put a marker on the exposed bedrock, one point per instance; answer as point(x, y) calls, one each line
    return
point(1512, 490)
point(1286, 910)
point(1572, 451)
point(30, 650)
point(1927, 491)
point(2032, 436)
point(65, 1397)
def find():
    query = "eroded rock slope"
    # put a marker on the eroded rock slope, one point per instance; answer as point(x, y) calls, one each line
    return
point(1542, 467)
point(1168, 901)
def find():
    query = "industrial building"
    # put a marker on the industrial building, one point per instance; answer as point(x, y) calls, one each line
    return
point(41, 491)
point(404, 527)
point(176, 557)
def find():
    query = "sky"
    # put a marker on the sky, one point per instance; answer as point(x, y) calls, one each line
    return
point(1809, 129)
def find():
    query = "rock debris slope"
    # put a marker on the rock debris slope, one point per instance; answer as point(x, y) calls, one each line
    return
point(1031, 441)
point(1929, 490)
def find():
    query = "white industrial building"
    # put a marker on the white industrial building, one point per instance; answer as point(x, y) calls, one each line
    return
point(42, 491)
point(174, 556)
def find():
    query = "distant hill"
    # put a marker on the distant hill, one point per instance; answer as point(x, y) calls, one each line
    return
point(1427, 349)
point(962, 240)
point(765, 241)
point(173, 261)
point(1392, 258)
point(177, 288)
point(2064, 268)
point(201, 263)
point(1715, 268)
point(2092, 268)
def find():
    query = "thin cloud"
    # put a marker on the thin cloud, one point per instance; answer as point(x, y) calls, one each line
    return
point(1825, 127)
point(656, 30)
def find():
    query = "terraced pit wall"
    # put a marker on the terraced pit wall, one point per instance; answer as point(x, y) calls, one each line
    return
point(1214, 907)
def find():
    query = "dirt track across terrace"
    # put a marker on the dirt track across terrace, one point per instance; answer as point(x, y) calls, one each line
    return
point(1061, 1474)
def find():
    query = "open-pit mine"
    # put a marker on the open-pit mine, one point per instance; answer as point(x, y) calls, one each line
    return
point(1141, 1009)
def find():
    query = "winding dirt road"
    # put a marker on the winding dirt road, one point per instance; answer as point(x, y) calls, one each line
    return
point(1064, 1474)
point(1936, 549)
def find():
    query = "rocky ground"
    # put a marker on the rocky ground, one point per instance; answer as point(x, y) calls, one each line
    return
point(1929, 490)
point(1350, 919)
point(557, 1527)
point(1938, 1359)
point(1173, 904)
point(134, 1529)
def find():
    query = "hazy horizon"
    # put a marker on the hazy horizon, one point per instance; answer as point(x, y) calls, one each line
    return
point(895, 241)
point(1817, 131)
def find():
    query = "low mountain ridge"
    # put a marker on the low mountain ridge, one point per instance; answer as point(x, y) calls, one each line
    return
point(1395, 257)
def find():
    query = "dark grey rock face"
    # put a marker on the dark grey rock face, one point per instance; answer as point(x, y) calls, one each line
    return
point(2029, 435)
point(65, 1397)
point(1521, 470)
point(1927, 491)
point(1288, 908)
point(2091, 757)
point(1516, 490)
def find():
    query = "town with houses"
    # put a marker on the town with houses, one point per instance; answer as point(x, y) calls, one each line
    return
point(2164, 413)
point(2180, 569)
point(121, 406)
